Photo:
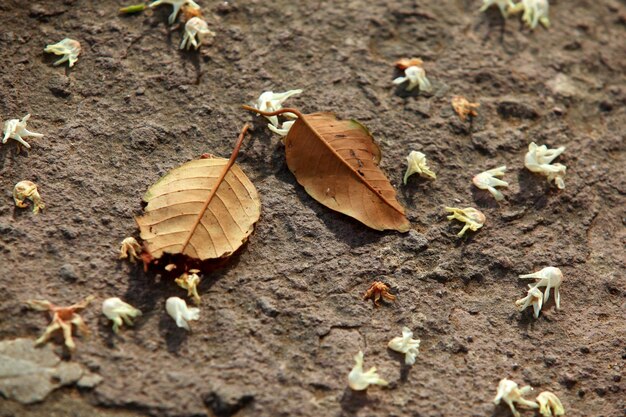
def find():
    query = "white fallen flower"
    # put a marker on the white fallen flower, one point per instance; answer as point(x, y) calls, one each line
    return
point(283, 131)
point(269, 101)
point(176, 5)
point(69, 48)
point(415, 76)
point(550, 405)
point(473, 218)
point(509, 392)
point(178, 310)
point(534, 298)
point(535, 11)
point(487, 181)
point(416, 162)
point(538, 159)
point(195, 27)
point(407, 345)
point(16, 129)
point(549, 277)
point(359, 380)
point(119, 312)
point(503, 5)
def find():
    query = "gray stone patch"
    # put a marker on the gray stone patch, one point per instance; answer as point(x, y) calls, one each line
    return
point(28, 373)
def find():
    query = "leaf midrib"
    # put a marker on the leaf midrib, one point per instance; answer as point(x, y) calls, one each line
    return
point(344, 162)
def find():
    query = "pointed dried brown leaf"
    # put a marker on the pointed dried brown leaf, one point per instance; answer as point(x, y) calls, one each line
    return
point(177, 199)
point(337, 163)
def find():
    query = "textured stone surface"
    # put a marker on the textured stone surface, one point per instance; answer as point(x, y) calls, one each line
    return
point(281, 322)
point(28, 373)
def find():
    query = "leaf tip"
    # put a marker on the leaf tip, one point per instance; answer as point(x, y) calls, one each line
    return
point(405, 227)
point(358, 125)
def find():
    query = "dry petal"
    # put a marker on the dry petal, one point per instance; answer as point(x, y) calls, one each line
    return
point(119, 312)
point(62, 319)
point(269, 101)
point(416, 163)
point(176, 6)
point(178, 310)
point(404, 63)
point(487, 181)
point(533, 298)
point(415, 76)
point(407, 345)
point(550, 405)
point(189, 281)
point(535, 12)
point(69, 48)
point(378, 290)
point(359, 380)
point(196, 29)
point(464, 108)
point(130, 249)
point(189, 12)
point(509, 392)
point(538, 159)
point(24, 190)
point(16, 129)
point(283, 131)
point(473, 218)
point(549, 277)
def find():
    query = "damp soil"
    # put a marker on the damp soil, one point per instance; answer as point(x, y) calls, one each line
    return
point(281, 321)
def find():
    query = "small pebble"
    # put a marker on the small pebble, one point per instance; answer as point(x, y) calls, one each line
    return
point(68, 273)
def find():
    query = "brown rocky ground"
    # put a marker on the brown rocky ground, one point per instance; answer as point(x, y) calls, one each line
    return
point(280, 324)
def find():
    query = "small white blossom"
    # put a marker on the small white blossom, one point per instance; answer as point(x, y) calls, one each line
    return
point(178, 310)
point(270, 102)
point(195, 27)
point(407, 345)
point(176, 5)
point(16, 129)
point(283, 131)
point(538, 159)
point(69, 48)
point(473, 218)
point(415, 76)
point(416, 162)
point(487, 181)
point(535, 11)
point(549, 277)
point(534, 298)
point(503, 5)
point(119, 312)
point(550, 405)
point(509, 392)
point(359, 380)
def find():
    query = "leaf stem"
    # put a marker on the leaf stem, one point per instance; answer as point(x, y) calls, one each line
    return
point(219, 181)
point(274, 113)
point(135, 8)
